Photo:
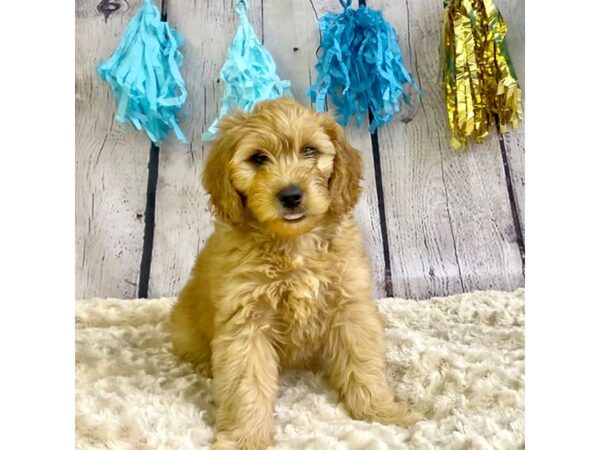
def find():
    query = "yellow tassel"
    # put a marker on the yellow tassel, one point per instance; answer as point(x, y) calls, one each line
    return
point(480, 83)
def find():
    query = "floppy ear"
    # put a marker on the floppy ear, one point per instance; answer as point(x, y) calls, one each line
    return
point(226, 201)
point(344, 183)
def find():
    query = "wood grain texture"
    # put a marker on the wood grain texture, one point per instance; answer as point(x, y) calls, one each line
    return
point(513, 12)
point(111, 164)
point(293, 39)
point(449, 221)
point(183, 218)
point(367, 212)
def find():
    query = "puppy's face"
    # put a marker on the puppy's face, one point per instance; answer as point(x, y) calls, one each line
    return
point(283, 167)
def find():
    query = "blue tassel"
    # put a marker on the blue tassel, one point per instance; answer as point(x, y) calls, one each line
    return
point(249, 73)
point(360, 67)
point(144, 75)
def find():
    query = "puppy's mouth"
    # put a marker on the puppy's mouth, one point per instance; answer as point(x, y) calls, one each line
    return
point(294, 217)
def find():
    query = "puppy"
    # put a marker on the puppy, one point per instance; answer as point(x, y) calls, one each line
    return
point(283, 281)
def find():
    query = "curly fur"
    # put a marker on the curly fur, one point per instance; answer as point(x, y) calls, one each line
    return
point(266, 292)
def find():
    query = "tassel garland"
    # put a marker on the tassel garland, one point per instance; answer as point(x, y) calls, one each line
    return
point(249, 74)
point(479, 79)
point(360, 67)
point(144, 75)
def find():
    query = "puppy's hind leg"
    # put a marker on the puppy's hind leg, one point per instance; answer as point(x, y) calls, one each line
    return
point(190, 341)
point(356, 368)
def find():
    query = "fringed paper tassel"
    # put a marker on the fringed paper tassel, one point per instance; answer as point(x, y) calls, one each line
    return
point(143, 73)
point(360, 67)
point(479, 79)
point(249, 74)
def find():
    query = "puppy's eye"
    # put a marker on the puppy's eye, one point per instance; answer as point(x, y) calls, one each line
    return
point(309, 151)
point(259, 158)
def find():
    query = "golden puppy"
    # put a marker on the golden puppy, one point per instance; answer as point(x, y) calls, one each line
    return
point(284, 280)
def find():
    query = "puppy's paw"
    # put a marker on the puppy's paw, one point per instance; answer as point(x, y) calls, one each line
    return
point(226, 442)
point(223, 443)
point(392, 414)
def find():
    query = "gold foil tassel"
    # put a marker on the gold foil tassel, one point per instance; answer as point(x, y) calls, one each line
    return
point(480, 83)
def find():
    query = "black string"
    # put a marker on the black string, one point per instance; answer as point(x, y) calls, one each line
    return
point(163, 11)
point(511, 197)
point(149, 222)
point(388, 284)
point(150, 214)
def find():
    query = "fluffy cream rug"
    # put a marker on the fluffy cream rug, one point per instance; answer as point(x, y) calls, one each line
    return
point(459, 360)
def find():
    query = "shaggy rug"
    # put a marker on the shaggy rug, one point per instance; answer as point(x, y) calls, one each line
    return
point(459, 360)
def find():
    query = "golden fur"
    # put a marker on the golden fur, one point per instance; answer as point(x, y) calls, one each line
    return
point(267, 292)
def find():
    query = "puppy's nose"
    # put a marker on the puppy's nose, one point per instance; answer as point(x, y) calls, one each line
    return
point(290, 197)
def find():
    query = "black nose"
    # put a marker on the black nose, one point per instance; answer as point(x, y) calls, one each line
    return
point(290, 197)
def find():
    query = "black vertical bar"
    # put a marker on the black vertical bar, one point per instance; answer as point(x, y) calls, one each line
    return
point(163, 11)
point(150, 214)
point(388, 284)
point(511, 197)
point(149, 220)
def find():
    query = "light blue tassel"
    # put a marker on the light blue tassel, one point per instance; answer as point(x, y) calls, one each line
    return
point(143, 73)
point(249, 73)
point(360, 67)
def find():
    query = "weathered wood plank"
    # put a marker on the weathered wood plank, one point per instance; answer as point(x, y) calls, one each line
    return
point(111, 162)
point(448, 214)
point(183, 219)
point(514, 143)
point(513, 12)
point(367, 212)
point(292, 35)
point(449, 219)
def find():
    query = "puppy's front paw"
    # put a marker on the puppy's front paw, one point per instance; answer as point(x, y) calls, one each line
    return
point(389, 413)
point(226, 442)
point(223, 443)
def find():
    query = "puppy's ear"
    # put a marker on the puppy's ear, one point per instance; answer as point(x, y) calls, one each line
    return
point(344, 183)
point(226, 201)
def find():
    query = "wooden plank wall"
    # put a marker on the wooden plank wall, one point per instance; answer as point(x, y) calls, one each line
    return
point(111, 164)
point(435, 221)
